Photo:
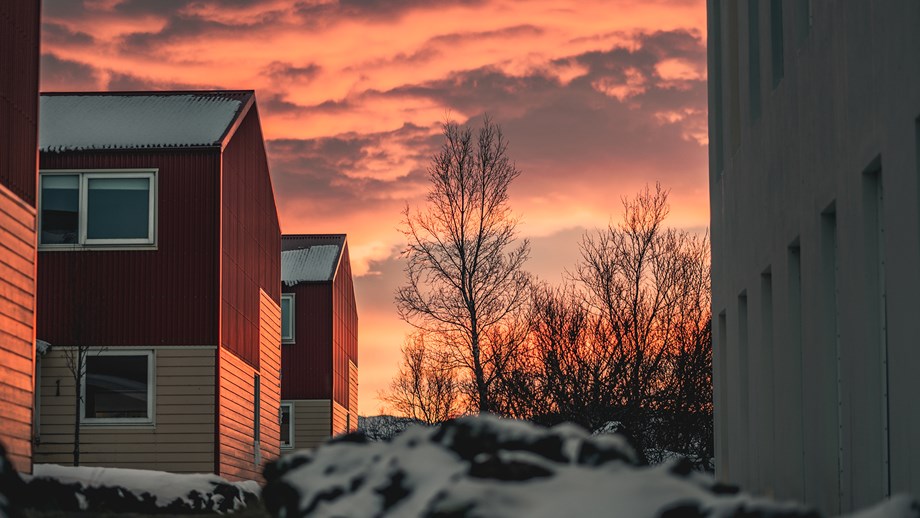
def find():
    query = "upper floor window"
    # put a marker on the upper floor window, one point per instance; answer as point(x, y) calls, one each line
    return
point(86, 208)
point(287, 318)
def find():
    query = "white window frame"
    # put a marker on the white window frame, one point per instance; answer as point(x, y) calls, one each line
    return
point(292, 338)
point(151, 390)
point(290, 406)
point(83, 178)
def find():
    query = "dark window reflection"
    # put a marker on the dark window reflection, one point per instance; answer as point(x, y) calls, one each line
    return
point(118, 208)
point(116, 386)
point(60, 209)
point(286, 425)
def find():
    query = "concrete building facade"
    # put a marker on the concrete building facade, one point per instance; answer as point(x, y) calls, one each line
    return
point(814, 143)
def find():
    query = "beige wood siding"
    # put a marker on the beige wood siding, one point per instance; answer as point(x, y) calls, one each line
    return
point(237, 444)
point(340, 419)
point(181, 440)
point(17, 326)
point(312, 422)
point(238, 457)
point(353, 395)
point(270, 365)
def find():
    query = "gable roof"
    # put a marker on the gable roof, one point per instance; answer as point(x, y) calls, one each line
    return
point(310, 257)
point(83, 121)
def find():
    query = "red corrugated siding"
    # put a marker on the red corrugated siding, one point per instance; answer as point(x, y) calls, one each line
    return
point(345, 329)
point(306, 365)
point(166, 296)
point(326, 333)
point(251, 244)
point(19, 33)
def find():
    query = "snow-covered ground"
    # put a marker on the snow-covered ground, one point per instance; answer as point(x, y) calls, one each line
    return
point(90, 488)
point(482, 467)
point(488, 467)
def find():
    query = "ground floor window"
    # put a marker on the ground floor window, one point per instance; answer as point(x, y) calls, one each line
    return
point(287, 425)
point(118, 387)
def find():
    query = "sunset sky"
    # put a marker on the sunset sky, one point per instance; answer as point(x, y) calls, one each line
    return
point(597, 98)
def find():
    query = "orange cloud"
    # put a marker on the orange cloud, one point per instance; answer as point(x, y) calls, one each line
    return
point(597, 97)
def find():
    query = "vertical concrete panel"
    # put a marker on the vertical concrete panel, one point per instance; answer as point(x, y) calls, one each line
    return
point(765, 422)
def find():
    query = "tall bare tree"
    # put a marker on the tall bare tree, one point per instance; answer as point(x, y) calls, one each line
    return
point(463, 266)
point(426, 387)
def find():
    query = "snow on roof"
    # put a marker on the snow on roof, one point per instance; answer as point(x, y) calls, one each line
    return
point(136, 120)
point(316, 263)
point(42, 347)
point(310, 257)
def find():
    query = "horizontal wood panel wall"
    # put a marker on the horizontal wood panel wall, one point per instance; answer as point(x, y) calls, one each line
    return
point(181, 440)
point(237, 457)
point(353, 394)
point(270, 352)
point(312, 422)
point(17, 326)
point(340, 419)
point(237, 442)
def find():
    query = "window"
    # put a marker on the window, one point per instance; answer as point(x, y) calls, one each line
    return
point(776, 41)
point(87, 208)
point(287, 318)
point(287, 425)
point(754, 58)
point(118, 387)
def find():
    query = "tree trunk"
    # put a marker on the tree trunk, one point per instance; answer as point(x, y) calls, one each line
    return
point(78, 378)
point(481, 390)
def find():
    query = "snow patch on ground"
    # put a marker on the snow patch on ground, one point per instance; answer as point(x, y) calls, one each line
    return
point(156, 488)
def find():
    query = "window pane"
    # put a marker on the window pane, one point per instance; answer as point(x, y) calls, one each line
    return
point(285, 425)
point(60, 201)
point(287, 331)
point(116, 386)
point(118, 208)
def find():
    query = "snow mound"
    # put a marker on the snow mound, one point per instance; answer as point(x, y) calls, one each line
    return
point(10, 486)
point(84, 488)
point(490, 467)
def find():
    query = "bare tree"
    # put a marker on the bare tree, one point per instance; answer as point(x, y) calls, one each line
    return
point(650, 285)
point(75, 359)
point(464, 270)
point(574, 360)
point(425, 387)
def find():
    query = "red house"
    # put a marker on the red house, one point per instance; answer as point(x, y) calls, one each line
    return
point(319, 335)
point(19, 30)
point(159, 249)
